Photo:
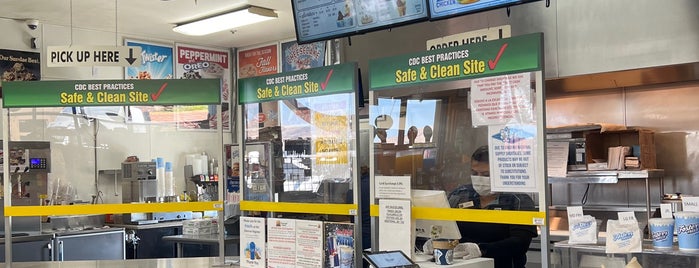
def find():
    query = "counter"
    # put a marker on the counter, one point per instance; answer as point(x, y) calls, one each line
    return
point(147, 226)
point(145, 263)
point(460, 263)
point(93, 244)
point(211, 239)
point(593, 255)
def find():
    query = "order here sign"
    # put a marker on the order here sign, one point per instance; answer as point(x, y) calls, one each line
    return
point(69, 56)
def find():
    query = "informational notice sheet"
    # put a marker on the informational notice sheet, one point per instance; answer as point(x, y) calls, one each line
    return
point(690, 203)
point(281, 243)
point(512, 158)
point(252, 242)
point(309, 244)
point(503, 99)
point(394, 187)
point(395, 226)
point(557, 158)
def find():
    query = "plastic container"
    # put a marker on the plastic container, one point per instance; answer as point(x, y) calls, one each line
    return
point(687, 230)
point(160, 177)
point(661, 231)
point(169, 180)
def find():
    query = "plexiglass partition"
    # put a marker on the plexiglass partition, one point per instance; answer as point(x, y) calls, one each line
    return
point(80, 155)
point(458, 148)
point(299, 167)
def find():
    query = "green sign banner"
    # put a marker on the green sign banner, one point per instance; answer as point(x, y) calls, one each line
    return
point(111, 92)
point(497, 57)
point(298, 84)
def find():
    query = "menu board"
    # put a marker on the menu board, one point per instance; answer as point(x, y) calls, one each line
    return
point(441, 9)
point(326, 19)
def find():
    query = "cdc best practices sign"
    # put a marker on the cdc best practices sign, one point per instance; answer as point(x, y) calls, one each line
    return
point(111, 92)
point(503, 56)
point(319, 81)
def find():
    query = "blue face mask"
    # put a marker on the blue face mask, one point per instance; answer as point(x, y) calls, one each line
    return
point(481, 184)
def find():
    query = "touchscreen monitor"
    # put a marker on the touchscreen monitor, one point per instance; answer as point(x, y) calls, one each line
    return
point(389, 259)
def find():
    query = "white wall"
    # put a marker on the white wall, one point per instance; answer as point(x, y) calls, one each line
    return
point(74, 162)
point(670, 110)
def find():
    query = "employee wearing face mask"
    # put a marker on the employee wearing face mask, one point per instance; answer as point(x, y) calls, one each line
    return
point(507, 244)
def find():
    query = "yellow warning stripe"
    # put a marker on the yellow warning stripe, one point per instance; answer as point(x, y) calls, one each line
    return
point(474, 215)
point(16, 211)
point(311, 208)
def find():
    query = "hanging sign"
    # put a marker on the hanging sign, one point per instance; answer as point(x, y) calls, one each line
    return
point(299, 84)
point(70, 56)
point(501, 99)
point(111, 92)
point(477, 36)
point(503, 56)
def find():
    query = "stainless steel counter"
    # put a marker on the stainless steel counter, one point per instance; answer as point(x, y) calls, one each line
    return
point(592, 255)
point(147, 226)
point(211, 239)
point(142, 263)
point(36, 236)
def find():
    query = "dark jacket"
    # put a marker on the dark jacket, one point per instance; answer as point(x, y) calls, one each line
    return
point(507, 244)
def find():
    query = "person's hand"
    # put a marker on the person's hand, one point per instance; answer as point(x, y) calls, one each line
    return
point(472, 250)
point(427, 247)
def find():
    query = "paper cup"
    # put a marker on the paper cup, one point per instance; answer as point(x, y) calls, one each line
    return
point(661, 232)
point(687, 229)
point(346, 257)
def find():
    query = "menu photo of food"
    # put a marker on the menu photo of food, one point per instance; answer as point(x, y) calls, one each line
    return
point(19, 66)
point(367, 12)
point(345, 17)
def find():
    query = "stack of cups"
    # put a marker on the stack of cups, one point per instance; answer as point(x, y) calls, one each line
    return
point(661, 230)
point(687, 229)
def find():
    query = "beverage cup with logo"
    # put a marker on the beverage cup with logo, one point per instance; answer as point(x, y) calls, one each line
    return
point(687, 229)
point(661, 232)
point(346, 256)
point(444, 251)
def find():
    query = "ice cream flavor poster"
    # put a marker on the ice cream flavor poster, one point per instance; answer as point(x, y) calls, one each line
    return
point(299, 57)
point(19, 66)
point(156, 61)
point(258, 61)
point(252, 242)
point(195, 62)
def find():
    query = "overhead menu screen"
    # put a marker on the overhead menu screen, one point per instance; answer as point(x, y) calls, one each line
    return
point(440, 9)
point(326, 19)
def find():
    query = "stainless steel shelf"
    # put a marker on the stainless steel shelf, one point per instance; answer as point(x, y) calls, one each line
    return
point(607, 176)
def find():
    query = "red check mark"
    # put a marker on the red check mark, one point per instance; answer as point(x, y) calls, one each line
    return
point(493, 63)
point(156, 95)
point(327, 78)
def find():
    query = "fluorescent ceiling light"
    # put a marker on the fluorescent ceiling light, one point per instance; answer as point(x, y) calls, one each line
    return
point(234, 19)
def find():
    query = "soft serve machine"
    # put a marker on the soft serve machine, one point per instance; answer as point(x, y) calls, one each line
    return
point(140, 185)
point(29, 166)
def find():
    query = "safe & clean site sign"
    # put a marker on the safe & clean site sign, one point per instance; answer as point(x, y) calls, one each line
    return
point(111, 92)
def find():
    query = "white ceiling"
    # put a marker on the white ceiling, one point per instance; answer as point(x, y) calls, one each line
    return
point(155, 18)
